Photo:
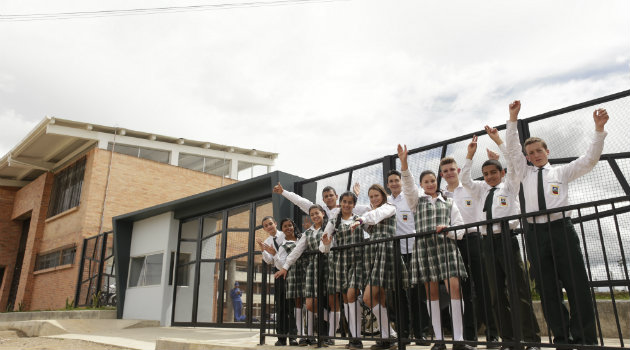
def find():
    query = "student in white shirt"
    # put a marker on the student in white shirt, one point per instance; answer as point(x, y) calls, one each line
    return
point(553, 245)
point(269, 249)
point(477, 309)
point(329, 196)
point(504, 265)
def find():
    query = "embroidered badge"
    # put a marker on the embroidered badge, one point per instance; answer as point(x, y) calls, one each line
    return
point(404, 217)
point(468, 202)
point(503, 201)
point(555, 189)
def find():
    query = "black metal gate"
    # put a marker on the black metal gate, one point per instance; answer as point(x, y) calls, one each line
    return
point(96, 284)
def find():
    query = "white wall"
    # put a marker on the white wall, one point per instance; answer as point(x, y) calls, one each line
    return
point(149, 236)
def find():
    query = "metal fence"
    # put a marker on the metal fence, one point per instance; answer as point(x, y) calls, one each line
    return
point(96, 285)
point(599, 201)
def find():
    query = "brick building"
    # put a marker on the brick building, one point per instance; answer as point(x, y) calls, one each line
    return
point(66, 180)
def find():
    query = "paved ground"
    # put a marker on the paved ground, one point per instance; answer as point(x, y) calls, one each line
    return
point(128, 334)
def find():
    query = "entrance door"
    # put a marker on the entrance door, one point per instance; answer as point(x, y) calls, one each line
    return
point(15, 282)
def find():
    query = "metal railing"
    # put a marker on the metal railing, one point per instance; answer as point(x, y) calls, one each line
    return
point(96, 283)
point(601, 226)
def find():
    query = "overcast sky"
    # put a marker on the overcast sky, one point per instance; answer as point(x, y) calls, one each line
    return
point(324, 84)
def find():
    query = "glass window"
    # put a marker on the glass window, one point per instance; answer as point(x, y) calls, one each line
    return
point(57, 258)
point(66, 189)
point(141, 152)
point(146, 270)
point(215, 166)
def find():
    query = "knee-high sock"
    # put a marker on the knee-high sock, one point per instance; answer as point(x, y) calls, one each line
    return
point(333, 322)
point(383, 321)
point(298, 321)
point(309, 322)
point(436, 318)
point(346, 312)
point(456, 312)
point(354, 322)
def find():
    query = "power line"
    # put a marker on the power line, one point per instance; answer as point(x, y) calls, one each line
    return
point(150, 11)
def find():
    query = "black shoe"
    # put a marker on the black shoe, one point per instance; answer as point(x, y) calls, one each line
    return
point(281, 342)
point(461, 346)
point(384, 345)
point(293, 342)
point(304, 342)
point(492, 346)
point(355, 344)
point(422, 341)
point(506, 347)
point(327, 342)
point(440, 346)
point(532, 348)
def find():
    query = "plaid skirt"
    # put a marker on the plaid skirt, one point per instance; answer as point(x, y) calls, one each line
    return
point(345, 270)
point(435, 258)
point(311, 276)
point(379, 265)
point(295, 279)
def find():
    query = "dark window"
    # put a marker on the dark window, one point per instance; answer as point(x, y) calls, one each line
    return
point(66, 189)
point(57, 258)
point(182, 273)
point(1, 275)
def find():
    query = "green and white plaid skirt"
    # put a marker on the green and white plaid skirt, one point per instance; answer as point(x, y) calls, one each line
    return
point(379, 257)
point(435, 258)
point(346, 265)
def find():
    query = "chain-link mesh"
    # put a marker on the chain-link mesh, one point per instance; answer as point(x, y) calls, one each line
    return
point(459, 150)
point(367, 176)
point(424, 160)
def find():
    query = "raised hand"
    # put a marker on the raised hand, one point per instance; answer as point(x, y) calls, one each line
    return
point(354, 224)
point(472, 148)
point(278, 189)
point(440, 228)
point(515, 107)
point(356, 188)
point(494, 134)
point(601, 118)
point(326, 239)
point(492, 155)
point(402, 155)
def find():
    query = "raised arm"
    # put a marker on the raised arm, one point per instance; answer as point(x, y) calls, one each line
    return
point(587, 162)
point(326, 242)
point(475, 188)
point(375, 216)
point(514, 153)
point(280, 257)
point(410, 190)
point(303, 203)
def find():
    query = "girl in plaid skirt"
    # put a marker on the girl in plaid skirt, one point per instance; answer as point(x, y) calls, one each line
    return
point(310, 243)
point(345, 273)
point(380, 222)
point(295, 276)
point(435, 256)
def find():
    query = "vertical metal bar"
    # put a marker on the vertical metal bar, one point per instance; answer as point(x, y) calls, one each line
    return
point(263, 305)
point(224, 238)
point(195, 301)
point(250, 264)
point(349, 182)
point(176, 264)
point(625, 267)
point(619, 175)
point(439, 178)
point(77, 293)
point(101, 263)
point(402, 344)
point(320, 299)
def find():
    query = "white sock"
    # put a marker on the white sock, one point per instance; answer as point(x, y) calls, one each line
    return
point(383, 321)
point(326, 315)
point(436, 319)
point(346, 312)
point(309, 321)
point(456, 312)
point(298, 321)
point(334, 318)
point(359, 321)
point(352, 320)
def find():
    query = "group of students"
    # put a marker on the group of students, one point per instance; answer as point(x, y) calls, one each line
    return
point(478, 263)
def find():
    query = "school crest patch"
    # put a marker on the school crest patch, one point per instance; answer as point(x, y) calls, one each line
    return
point(503, 201)
point(404, 217)
point(468, 202)
point(555, 190)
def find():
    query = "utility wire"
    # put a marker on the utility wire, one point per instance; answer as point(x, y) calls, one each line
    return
point(151, 11)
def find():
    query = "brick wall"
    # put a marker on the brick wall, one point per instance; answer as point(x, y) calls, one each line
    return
point(134, 184)
point(9, 240)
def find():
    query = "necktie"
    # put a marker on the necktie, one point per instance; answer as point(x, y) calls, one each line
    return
point(542, 205)
point(275, 243)
point(487, 207)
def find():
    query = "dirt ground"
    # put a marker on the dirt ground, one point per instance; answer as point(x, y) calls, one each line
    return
point(41, 343)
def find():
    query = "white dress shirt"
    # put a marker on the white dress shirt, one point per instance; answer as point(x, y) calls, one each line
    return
point(469, 206)
point(279, 260)
point(412, 195)
point(404, 222)
point(300, 247)
point(505, 200)
point(304, 204)
point(555, 179)
point(268, 258)
point(328, 231)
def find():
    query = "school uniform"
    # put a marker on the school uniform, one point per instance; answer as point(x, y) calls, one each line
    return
point(435, 257)
point(283, 307)
point(346, 265)
point(295, 275)
point(475, 290)
point(304, 205)
point(412, 298)
point(309, 242)
point(552, 243)
point(379, 258)
point(501, 254)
